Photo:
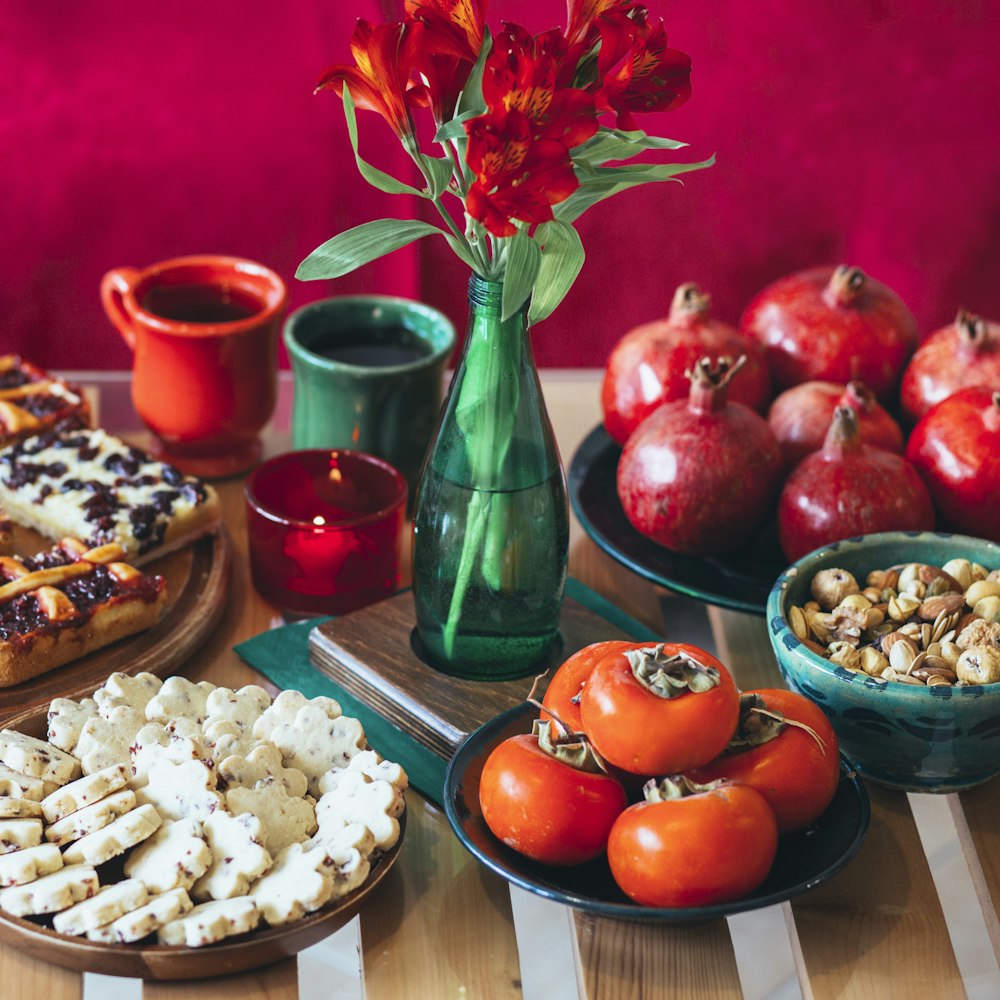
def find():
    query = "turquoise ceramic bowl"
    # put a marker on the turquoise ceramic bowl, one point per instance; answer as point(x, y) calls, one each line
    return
point(936, 739)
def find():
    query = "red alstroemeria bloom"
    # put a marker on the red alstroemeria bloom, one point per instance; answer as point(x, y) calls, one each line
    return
point(447, 37)
point(378, 80)
point(581, 14)
point(522, 73)
point(652, 77)
point(518, 174)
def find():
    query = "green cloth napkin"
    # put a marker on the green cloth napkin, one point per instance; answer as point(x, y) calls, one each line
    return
point(282, 655)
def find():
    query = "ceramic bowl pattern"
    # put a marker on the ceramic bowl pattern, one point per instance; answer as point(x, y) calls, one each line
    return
point(936, 739)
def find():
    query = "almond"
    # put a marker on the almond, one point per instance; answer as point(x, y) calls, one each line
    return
point(943, 603)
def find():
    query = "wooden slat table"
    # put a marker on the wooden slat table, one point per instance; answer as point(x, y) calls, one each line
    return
point(913, 916)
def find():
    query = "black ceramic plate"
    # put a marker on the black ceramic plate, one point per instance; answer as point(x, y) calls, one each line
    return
point(804, 860)
point(739, 580)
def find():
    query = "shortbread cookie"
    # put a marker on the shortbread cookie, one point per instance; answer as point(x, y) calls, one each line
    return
point(314, 742)
point(32, 400)
point(263, 762)
point(285, 820)
point(93, 486)
point(179, 698)
point(84, 792)
point(238, 856)
point(12, 808)
point(17, 834)
point(107, 904)
point(62, 604)
point(371, 764)
point(339, 840)
point(38, 758)
point(353, 797)
point(284, 709)
point(144, 921)
point(211, 922)
point(154, 742)
point(179, 789)
point(114, 839)
point(21, 867)
point(133, 690)
point(24, 786)
point(91, 818)
point(299, 882)
point(51, 893)
point(225, 739)
point(173, 857)
point(105, 742)
point(66, 720)
point(242, 707)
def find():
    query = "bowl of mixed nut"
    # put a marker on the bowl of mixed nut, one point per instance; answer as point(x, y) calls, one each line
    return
point(896, 636)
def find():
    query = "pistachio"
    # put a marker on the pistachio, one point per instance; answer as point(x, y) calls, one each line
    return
point(856, 601)
point(912, 629)
point(901, 656)
point(872, 661)
point(979, 572)
point(950, 652)
point(893, 638)
point(938, 586)
point(908, 574)
point(960, 570)
point(873, 618)
point(902, 606)
point(830, 586)
point(915, 588)
point(873, 594)
point(979, 665)
point(980, 589)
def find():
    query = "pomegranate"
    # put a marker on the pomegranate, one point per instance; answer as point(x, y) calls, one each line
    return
point(832, 324)
point(967, 352)
point(955, 447)
point(849, 488)
point(700, 475)
point(649, 365)
point(800, 418)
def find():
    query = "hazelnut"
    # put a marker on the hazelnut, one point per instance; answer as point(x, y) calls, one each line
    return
point(960, 570)
point(988, 608)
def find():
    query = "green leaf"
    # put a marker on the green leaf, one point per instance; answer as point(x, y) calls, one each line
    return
point(471, 99)
point(462, 250)
point(523, 259)
point(597, 184)
point(439, 170)
point(455, 129)
point(562, 260)
point(614, 144)
point(377, 178)
point(358, 246)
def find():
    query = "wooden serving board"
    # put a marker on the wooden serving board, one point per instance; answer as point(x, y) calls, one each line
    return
point(147, 960)
point(197, 588)
point(370, 654)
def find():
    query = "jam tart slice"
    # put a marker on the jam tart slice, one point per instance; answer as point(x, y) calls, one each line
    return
point(91, 485)
point(32, 400)
point(66, 602)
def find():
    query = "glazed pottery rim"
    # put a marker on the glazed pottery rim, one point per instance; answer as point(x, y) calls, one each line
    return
point(439, 321)
point(277, 517)
point(275, 300)
point(782, 636)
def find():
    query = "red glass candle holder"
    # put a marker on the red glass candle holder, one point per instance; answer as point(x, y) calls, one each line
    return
point(324, 530)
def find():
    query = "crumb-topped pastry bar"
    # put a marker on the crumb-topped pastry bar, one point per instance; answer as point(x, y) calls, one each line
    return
point(32, 401)
point(68, 601)
point(90, 485)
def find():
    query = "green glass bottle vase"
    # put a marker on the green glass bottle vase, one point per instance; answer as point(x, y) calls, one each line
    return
point(491, 519)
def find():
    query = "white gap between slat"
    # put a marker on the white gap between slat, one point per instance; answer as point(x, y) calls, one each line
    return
point(968, 915)
point(96, 987)
point(333, 967)
point(546, 947)
point(765, 945)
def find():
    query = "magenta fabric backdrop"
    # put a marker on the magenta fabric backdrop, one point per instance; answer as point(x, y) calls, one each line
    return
point(847, 131)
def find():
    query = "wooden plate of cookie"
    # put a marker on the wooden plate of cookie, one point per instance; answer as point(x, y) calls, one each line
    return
point(146, 959)
point(197, 579)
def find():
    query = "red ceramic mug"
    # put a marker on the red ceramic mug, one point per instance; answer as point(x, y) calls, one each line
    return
point(203, 330)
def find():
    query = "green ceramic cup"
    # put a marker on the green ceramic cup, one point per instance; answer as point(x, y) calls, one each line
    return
point(368, 374)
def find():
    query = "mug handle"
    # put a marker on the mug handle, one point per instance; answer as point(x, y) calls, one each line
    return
point(114, 286)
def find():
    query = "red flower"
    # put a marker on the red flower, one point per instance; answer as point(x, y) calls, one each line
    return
point(518, 174)
point(581, 15)
point(523, 74)
point(652, 76)
point(378, 80)
point(447, 36)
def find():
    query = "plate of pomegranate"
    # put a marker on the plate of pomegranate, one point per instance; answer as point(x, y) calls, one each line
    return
point(725, 454)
